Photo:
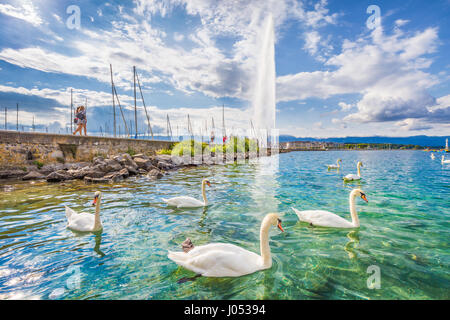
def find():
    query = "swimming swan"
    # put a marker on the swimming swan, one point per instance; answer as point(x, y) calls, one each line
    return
point(324, 218)
point(85, 222)
point(432, 156)
point(189, 202)
point(444, 161)
point(227, 260)
point(351, 176)
point(334, 166)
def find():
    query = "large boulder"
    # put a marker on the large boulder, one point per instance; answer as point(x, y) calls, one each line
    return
point(113, 177)
point(163, 165)
point(12, 174)
point(77, 173)
point(96, 180)
point(132, 171)
point(92, 172)
point(58, 176)
point(125, 160)
point(145, 164)
point(112, 165)
point(49, 168)
point(78, 165)
point(124, 172)
point(98, 159)
point(140, 155)
point(119, 159)
point(108, 165)
point(33, 175)
point(155, 174)
point(163, 157)
point(177, 160)
point(142, 171)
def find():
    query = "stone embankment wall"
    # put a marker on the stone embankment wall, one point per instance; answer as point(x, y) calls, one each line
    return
point(24, 148)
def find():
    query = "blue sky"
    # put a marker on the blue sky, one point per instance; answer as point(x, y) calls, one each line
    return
point(334, 75)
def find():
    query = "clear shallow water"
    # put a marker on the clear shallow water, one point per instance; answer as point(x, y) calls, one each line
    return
point(404, 231)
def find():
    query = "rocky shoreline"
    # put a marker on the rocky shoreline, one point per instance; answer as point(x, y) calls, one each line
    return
point(100, 170)
point(111, 169)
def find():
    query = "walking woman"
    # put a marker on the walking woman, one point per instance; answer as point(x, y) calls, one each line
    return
point(80, 120)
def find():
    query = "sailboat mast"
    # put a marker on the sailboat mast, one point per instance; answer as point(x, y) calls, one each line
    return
point(135, 106)
point(143, 102)
point(71, 109)
point(113, 100)
point(224, 132)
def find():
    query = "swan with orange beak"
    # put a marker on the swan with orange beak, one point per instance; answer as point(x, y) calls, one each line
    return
point(225, 259)
point(324, 218)
point(85, 222)
point(189, 202)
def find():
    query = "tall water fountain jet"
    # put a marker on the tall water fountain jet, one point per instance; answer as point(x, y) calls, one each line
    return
point(263, 105)
point(263, 102)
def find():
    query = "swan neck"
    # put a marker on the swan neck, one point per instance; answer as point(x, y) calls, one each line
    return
point(264, 244)
point(204, 193)
point(359, 169)
point(97, 222)
point(353, 213)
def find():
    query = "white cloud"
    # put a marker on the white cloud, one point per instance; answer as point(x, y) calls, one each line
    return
point(345, 106)
point(339, 122)
point(441, 103)
point(26, 12)
point(57, 18)
point(312, 40)
point(62, 96)
point(401, 22)
point(413, 125)
point(320, 15)
point(178, 36)
point(388, 70)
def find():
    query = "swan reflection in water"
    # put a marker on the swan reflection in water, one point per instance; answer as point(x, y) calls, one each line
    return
point(353, 236)
point(98, 242)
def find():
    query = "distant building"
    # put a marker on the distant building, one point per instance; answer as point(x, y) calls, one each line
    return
point(310, 145)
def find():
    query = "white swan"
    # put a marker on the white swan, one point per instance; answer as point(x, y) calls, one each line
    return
point(189, 202)
point(228, 260)
point(432, 156)
point(324, 218)
point(334, 166)
point(444, 161)
point(85, 222)
point(351, 176)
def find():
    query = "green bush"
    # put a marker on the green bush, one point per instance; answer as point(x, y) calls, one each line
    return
point(165, 151)
point(191, 145)
point(130, 151)
point(38, 164)
point(241, 145)
point(238, 145)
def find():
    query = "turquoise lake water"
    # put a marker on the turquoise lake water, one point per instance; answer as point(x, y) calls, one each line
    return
point(405, 232)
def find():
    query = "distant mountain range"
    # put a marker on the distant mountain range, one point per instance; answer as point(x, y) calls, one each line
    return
point(424, 141)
